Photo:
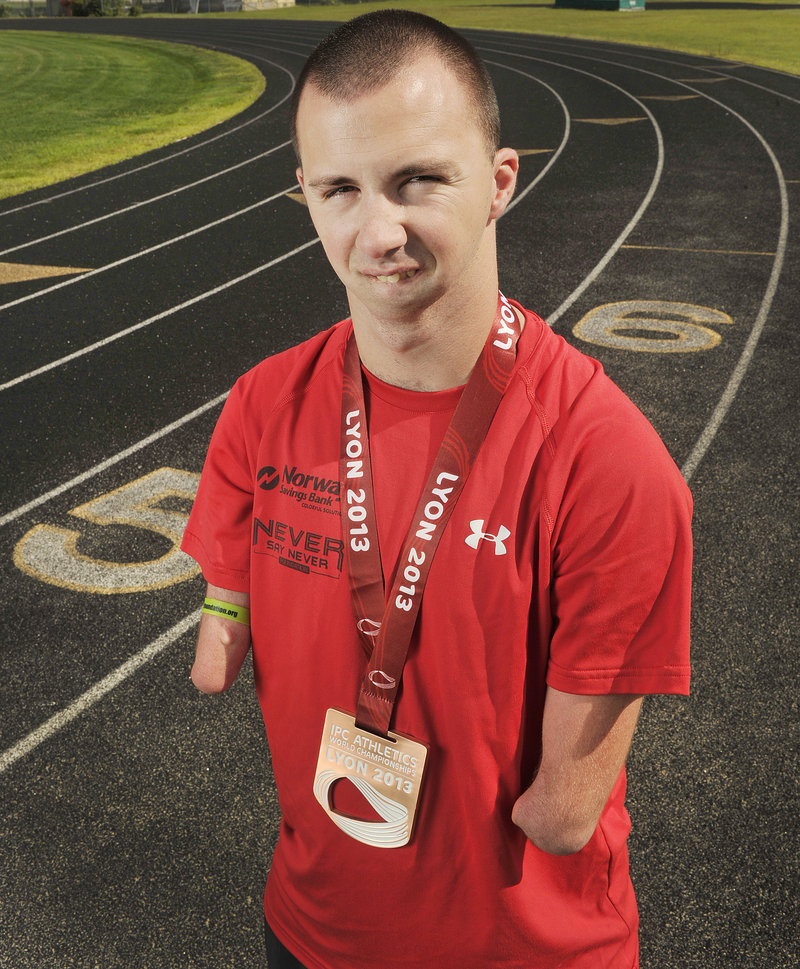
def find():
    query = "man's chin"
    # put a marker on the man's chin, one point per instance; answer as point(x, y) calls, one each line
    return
point(395, 302)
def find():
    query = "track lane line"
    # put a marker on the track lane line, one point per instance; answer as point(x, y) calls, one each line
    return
point(552, 318)
point(148, 201)
point(564, 139)
point(53, 365)
point(201, 181)
point(710, 430)
point(718, 70)
point(111, 461)
point(731, 390)
point(96, 692)
point(145, 252)
point(169, 158)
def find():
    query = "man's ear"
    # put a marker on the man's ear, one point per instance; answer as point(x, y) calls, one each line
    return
point(299, 173)
point(506, 166)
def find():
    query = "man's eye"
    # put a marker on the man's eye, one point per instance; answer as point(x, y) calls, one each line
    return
point(339, 190)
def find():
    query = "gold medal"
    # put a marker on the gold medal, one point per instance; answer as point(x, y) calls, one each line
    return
point(386, 770)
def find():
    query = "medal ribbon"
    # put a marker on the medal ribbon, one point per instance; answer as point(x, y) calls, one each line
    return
point(386, 628)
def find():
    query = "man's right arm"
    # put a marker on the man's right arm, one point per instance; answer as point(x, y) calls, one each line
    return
point(222, 645)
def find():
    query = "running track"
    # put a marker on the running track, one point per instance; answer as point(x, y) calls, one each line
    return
point(656, 211)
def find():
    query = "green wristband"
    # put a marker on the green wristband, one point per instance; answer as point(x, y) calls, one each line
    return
point(227, 610)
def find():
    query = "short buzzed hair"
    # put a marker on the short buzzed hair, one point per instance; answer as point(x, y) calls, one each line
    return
point(364, 54)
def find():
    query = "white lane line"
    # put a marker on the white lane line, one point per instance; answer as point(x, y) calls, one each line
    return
point(96, 692)
point(634, 221)
point(719, 413)
point(146, 252)
point(111, 461)
point(718, 70)
point(154, 319)
point(225, 171)
point(172, 155)
point(761, 87)
point(137, 205)
point(648, 198)
point(564, 139)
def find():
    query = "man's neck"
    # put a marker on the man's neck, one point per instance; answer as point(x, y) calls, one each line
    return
point(436, 352)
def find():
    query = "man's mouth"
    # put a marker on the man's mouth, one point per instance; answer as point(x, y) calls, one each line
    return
point(396, 277)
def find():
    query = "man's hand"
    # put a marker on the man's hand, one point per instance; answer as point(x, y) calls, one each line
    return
point(222, 645)
point(585, 741)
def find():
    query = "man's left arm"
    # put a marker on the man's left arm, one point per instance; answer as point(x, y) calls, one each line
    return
point(585, 742)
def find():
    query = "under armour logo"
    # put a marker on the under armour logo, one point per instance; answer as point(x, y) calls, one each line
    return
point(478, 534)
point(368, 627)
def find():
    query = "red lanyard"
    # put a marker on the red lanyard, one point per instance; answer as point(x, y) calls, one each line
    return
point(386, 628)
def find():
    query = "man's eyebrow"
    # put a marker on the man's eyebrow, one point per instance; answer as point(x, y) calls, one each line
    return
point(427, 165)
point(329, 181)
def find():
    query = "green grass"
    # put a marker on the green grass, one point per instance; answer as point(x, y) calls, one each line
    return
point(768, 38)
point(72, 104)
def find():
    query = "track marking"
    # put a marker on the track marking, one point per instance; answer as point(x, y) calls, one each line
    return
point(669, 97)
point(153, 319)
point(13, 272)
point(138, 205)
point(533, 151)
point(608, 121)
point(142, 252)
point(767, 90)
point(565, 137)
point(96, 692)
point(719, 252)
point(569, 49)
point(720, 412)
point(297, 197)
point(122, 333)
point(110, 462)
point(700, 80)
point(672, 327)
point(728, 396)
point(52, 554)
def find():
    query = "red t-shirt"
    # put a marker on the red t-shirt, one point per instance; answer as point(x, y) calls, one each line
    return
point(579, 579)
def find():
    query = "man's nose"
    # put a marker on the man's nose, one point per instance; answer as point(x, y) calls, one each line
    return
point(382, 229)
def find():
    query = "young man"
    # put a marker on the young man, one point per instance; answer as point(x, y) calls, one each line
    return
point(466, 555)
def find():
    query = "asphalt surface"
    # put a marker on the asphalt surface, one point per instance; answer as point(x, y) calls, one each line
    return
point(137, 817)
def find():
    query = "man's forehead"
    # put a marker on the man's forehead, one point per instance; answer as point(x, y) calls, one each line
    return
point(430, 106)
point(410, 79)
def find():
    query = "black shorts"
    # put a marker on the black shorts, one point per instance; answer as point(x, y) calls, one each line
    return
point(278, 956)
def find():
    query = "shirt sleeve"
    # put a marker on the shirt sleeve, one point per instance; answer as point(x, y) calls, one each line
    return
point(621, 558)
point(218, 533)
